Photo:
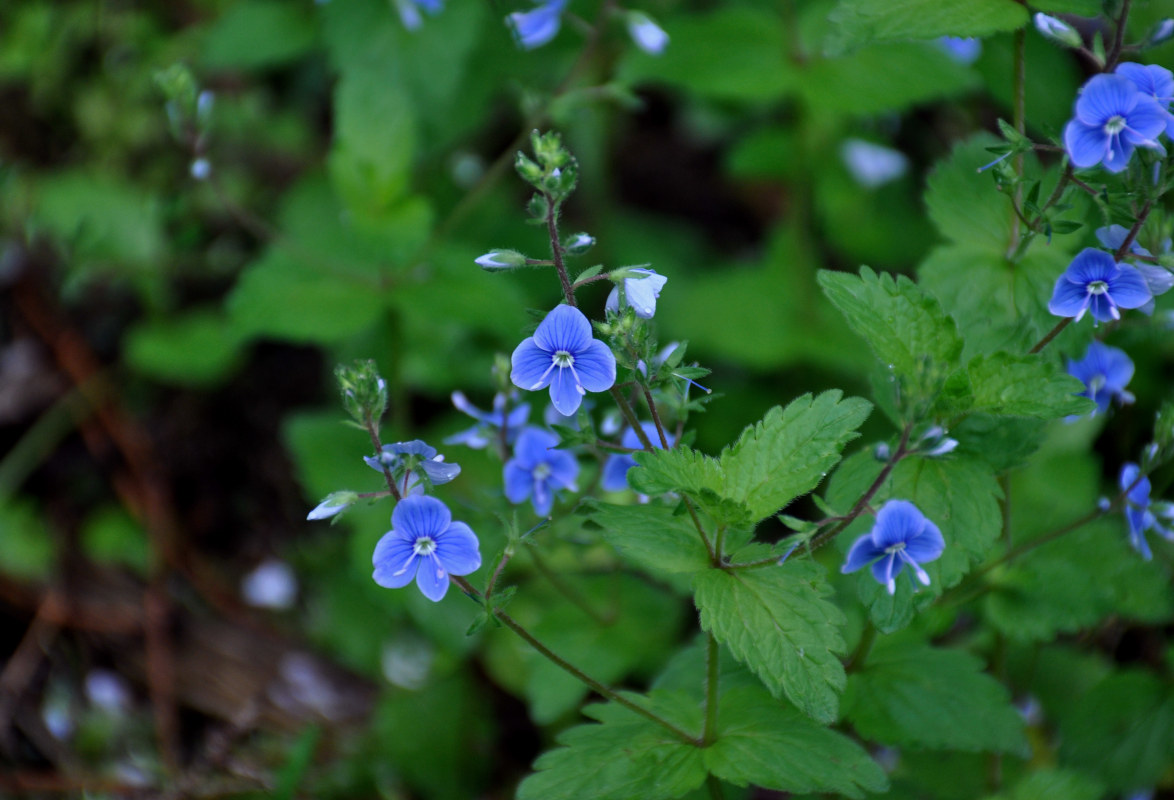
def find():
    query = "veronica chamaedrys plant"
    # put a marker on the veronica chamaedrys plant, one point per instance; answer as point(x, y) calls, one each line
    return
point(902, 537)
point(1112, 118)
point(424, 545)
point(641, 291)
point(1153, 81)
point(1138, 513)
point(489, 423)
point(614, 477)
point(538, 26)
point(1105, 372)
point(539, 469)
point(415, 458)
point(563, 355)
point(1095, 282)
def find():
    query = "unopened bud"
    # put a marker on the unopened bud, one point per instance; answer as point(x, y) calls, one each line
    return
point(1057, 31)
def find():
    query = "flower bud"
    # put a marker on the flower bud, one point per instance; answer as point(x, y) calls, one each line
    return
point(1162, 32)
point(334, 503)
point(364, 393)
point(647, 35)
point(500, 259)
point(1057, 31)
point(578, 244)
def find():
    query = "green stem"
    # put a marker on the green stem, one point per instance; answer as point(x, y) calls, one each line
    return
point(556, 249)
point(1118, 39)
point(1018, 119)
point(573, 595)
point(1050, 335)
point(863, 647)
point(373, 431)
point(664, 442)
point(714, 785)
point(630, 417)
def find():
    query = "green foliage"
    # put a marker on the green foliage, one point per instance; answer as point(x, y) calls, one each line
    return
point(258, 34)
point(1050, 783)
point(779, 623)
point(965, 204)
point(913, 695)
point(199, 348)
point(861, 21)
point(651, 536)
point(24, 539)
point(1023, 386)
point(768, 744)
point(624, 756)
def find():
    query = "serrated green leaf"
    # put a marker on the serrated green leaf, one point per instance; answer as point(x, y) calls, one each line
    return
point(911, 694)
point(788, 453)
point(966, 205)
point(764, 743)
point(622, 757)
point(902, 324)
point(678, 470)
point(1024, 386)
point(1051, 783)
point(861, 21)
point(1122, 731)
point(777, 622)
point(650, 536)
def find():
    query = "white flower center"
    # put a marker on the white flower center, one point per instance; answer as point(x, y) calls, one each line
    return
point(424, 546)
point(541, 472)
point(1115, 125)
point(895, 548)
point(562, 358)
point(1098, 287)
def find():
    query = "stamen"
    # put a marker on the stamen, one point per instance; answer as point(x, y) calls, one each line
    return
point(541, 381)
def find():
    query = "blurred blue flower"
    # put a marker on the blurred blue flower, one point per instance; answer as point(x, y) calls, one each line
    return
point(1112, 117)
point(563, 355)
point(901, 537)
point(489, 422)
point(426, 545)
point(1094, 281)
point(409, 11)
point(641, 290)
point(1139, 513)
point(1105, 372)
point(964, 51)
point(538, 470)
point(1152, 81)
point(872, 165)
point(415, 457)
point(537, 27)
point(1158, 279)
point(1057, 30)
point(615, 469)
point(647, 35)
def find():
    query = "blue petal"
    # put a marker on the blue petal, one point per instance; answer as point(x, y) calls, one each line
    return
point(432, 578)
point(531, 366)
point(1091, 265)
point(457, 549)
point(1158, 280)
point(565, 328)
point(519, 482)
point(565, 392)
point(532, 446)
point(1128, 288)
point(927, 545)
point(642, 293)
point(395, 563)
point(440, 471)
point(615, 472)
point(1139, 495)
point(596, 366)
point(886, 571)
point(1086, 145)
point(862, 552)
point(414, 517)
point(612, 303)
point(897, 522)
point(543, 498)
point(1146, 122)
point(416, 447)
point(1068, 299)
point(536, 28)
point(564, 468)
point(1104, 97)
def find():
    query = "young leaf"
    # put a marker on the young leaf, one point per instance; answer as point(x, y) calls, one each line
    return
point(650, 536)
point(915, 695)
point(1024, 386)
point(790, 450)
point(778, 623)
point(863, 21)
point(769, 744)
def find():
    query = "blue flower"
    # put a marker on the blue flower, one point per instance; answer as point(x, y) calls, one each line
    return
point(414, 457)
point(562, 355)
point(641, 290)
point(1153, 81)
point(1112, 117)
point(488, 422)
point(964, 51)
point(426, 545)
point(1105, 372)
point(538, 470)
point(615, 468)
point(647, 35)
point(1158, 279)
point(1138, 511)
point(901, 537)
point(537, 27)
point(872, 165)
point(1095, 281)
point(409, 11)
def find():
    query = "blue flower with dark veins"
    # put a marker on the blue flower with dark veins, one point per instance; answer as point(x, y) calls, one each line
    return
point(537, 27)
point(1159, 279)
point(425, 545)
point(902, 537)
point(1105, 372)
point(415, 457)
point(1094, 281)
point(641, 290)
point(538, 470)
point(1139, 513)
point(1152, 81)
point(488, 427)
point(563, 355)
point(1112, 117)
point(615, 469)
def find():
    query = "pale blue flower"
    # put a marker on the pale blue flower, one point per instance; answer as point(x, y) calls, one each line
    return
point(641, 291)
point(1139, 513)
point(964, 51)
point(615, 469)
point(538, 470)
point(1057, 30)
point(488, 427)
point(1094, 281)
point(537, 27)
point(647, 35)
point(872, 165)
point(1105, 372)
point(416, 457)
point(1112, 117)
point(563, 355)
point(1152, 81)
point(409, 11)
point(1158, 279)
point(902, 537)
point(334, 503)
point(425, 545)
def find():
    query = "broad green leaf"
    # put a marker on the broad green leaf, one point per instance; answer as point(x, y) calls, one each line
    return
point(902, 324)
point(789, 452)
point(1024, 386)
point(622, 757)
point(1122, 731)
point(650, 536)
point(678, 470)
point(768, 744)
point(777, 622)
point(861, 21)
point(965, 204)
point(111, 536)
point(25, 540)
point(1051, 783)
point(256, 34)
point(196, 348)
point(913, 695)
